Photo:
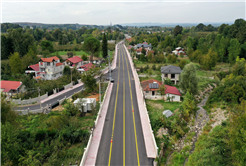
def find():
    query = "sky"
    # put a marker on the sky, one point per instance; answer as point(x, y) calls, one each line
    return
point(121, 11)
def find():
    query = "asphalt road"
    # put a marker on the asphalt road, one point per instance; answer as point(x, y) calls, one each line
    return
point(122, 141)
point(51, 101)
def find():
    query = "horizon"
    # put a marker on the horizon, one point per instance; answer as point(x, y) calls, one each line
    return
point(102, 13)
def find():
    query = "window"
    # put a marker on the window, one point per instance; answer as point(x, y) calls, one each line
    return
point(48, 63)
point(166, 75)
point(147, 91)
point(153, 93)
point(172, 75)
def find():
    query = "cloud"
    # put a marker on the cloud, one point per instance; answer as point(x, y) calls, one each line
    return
point(102, 13)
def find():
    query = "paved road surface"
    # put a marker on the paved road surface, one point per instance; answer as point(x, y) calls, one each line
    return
point(122, 141)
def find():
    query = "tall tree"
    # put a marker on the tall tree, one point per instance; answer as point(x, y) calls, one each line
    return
point(105, 46)
point(21, 41)
point(234, 50)
point(15, 63)
point(188, 79)
point(177, 30)
point(6, 47)
point(92, 45)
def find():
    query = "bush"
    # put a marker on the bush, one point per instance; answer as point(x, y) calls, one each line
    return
point(154, 67)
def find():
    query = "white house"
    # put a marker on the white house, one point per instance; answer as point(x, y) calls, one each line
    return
point(178, 51)
point(50, 68)
point(151, 91)
point(88, 103)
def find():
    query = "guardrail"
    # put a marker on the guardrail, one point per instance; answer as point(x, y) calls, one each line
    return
point(142, 101)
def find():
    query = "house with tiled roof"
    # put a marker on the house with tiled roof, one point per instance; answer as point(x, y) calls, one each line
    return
point(171, 72)
point(151, 91)
point(178, 51)
point(12, 87)
point(32, 69)
point(74, 61)
point(50, 68)
point(85, 67)
point(144, 45)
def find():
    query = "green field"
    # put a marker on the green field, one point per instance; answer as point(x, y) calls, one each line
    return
point(77, 53)
point(156, 107)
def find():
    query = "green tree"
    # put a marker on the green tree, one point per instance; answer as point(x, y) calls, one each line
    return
point(189, 43)
point(91, 45)
point(188, 106)
point(66, 70)
point(234, 50)
point(15, 63)
point(84, 57)
point(21, 41)
point(47, 45)
point(154, 42)
point(177, 30)
point(188, 79)
point(7, 112)
point(237, 133)
point(143, 51)
point(105, 46)
point(88, 79)
point(182, 63)
point(6, 47)
point(209, 60)
point(162, 90)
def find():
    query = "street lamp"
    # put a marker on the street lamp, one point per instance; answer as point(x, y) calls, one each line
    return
point(109, 65)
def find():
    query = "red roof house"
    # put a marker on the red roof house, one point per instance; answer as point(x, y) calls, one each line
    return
point(12, 86)
point(74, 61)
point(151, 88)
point(86, 67)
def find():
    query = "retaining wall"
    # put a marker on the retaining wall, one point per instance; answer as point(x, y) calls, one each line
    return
point(29, 101)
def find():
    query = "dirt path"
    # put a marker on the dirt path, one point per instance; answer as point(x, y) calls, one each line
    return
point(201, 120)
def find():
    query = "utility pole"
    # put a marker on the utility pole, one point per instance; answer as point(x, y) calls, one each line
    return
point(39, 98)
point(109, 65)
point(71, 77)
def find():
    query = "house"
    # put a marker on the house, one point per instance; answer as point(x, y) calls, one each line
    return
point(12, 87)
point(74, 61)
point(144, 45)
point(87, 103)
point(151, 91)
point(139, 51)
point(85, 67)
point(50, 68)
point(171, 72)
point(32, 69)
point(178, 51)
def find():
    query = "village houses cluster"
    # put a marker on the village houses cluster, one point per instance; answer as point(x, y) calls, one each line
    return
point(47, 69)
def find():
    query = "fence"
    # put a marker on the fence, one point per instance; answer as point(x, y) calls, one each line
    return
point(41, 110)
point(29, 101)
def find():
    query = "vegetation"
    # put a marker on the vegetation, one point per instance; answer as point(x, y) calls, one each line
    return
point(188, 79)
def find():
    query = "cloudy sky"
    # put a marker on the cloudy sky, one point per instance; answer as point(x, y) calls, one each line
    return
point(103, 12)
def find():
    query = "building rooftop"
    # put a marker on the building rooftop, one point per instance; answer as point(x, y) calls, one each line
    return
point(50, 59)
point(75, 59)
point(8, 85)
point(170, 69)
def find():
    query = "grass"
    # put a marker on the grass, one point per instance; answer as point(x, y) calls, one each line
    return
point(203, 83)
point(156, 107)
